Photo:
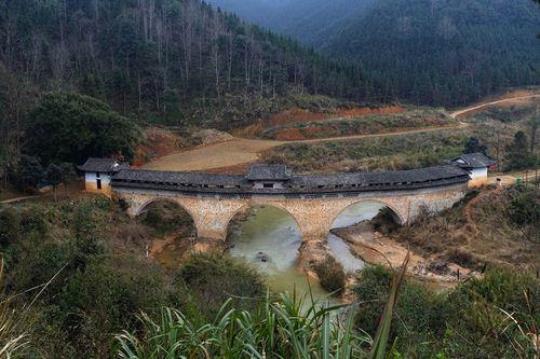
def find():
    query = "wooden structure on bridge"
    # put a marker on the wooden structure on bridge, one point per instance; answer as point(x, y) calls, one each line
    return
point(313, 201)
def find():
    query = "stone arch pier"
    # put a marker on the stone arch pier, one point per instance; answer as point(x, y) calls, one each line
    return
point(313, 214)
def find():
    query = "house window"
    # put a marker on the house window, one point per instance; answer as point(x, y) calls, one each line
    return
point(98, 175)
point(268, 185)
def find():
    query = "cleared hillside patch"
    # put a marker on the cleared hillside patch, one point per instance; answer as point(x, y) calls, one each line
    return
point(381, 153)
point(358, 121)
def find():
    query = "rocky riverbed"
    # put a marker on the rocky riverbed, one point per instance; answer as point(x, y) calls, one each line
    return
point(375, 248)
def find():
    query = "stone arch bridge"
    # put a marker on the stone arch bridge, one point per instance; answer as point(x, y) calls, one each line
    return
point(313, 201)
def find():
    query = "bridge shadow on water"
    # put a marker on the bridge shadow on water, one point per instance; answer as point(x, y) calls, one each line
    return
point(269, 239)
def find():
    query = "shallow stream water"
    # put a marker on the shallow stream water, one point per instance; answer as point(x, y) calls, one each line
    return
point(272, 234)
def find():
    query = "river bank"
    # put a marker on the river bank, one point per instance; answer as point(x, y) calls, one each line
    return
point(376, 249)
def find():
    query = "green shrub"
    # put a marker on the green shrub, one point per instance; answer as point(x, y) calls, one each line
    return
point(478, 327)
point(467, 322)
point(331, 275)
point(214, 278)
point(10, 226)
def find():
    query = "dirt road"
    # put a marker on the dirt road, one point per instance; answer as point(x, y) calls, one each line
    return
point(239, 151)
point(467, 110)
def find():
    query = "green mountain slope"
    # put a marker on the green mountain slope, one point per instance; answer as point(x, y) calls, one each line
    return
point(158, 56)
point(442, 52)
point(445, 52)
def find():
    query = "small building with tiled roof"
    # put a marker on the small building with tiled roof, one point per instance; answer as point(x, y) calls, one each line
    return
point(98, 173)
point(478, 166)
point(268, 176)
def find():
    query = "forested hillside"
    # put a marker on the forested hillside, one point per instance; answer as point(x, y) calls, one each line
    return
point(446, 52)
point(159, 56)
point(313, 22)
point(435, 52)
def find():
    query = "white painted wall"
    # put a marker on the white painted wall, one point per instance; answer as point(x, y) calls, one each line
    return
point(90, 182)
point(478, 173)
point(479, 177)
point(260, 185)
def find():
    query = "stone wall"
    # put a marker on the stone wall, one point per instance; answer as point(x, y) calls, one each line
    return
point(212, 214)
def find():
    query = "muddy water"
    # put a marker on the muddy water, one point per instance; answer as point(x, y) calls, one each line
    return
point(271, 233)
point(354, 214)
point(269, 239)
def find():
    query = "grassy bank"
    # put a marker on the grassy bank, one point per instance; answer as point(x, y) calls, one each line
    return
point(387, 153)
point(491, 228)
point(348, 125)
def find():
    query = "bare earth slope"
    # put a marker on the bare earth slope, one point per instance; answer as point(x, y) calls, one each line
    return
point(240, 151)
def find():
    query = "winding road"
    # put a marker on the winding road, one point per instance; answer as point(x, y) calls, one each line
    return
point(241, 151)
point(470, 109)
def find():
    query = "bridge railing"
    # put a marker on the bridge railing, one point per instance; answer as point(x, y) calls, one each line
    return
point(289, 191)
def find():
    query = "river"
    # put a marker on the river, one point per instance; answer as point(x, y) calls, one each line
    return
point(275, 234)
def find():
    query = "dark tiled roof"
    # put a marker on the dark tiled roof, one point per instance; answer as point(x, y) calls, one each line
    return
point(186, 178)
point(268, 172)
point(102, 165)
point(474, 160)
point(193, 182)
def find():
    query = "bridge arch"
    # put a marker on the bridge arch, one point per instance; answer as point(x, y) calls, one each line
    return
point(250, 206)
point(141, 208)
point(399, 215)
point(271, 237)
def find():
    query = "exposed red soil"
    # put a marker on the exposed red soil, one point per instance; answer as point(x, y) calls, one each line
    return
point(297, 115)
point(365, 111)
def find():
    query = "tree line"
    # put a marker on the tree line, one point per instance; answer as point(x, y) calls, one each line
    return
point(158, 55)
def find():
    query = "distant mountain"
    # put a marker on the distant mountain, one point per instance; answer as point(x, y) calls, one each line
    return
point(442, 52)
point(309, 21)
point(159, 56)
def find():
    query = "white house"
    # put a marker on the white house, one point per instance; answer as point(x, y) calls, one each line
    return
point(478, 165)
point(98, 173)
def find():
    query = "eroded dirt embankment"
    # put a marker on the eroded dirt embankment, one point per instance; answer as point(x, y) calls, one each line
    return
point(375, 248)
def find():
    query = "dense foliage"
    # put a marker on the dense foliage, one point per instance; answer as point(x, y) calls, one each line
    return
point(214, 278)
point(86, 280)
point(72, 128)
point(430, 52)
point(493, 317)
point(162, 56)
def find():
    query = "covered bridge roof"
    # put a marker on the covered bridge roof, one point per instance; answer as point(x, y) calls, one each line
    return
point(474, 160)
point(268, 173)
point(193, 182)
point(102, 165)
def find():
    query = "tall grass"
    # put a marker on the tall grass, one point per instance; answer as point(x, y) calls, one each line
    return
point(283, 328)
point(13, 340)
point(278, 329)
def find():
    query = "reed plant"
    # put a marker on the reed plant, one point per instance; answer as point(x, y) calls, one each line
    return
point(286, 327)
point(281, 328)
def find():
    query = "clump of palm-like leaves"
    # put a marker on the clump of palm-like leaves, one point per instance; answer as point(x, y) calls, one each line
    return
point(282, 328)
